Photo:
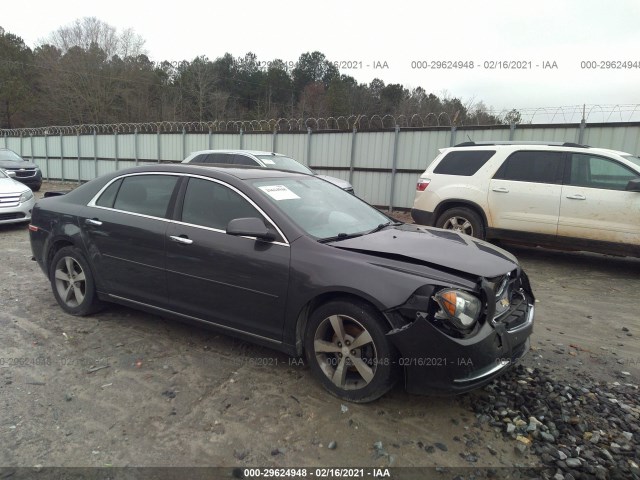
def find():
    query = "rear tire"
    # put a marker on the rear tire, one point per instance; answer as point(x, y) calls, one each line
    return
point(72, 282)
point(348, 351)
point(462, 220)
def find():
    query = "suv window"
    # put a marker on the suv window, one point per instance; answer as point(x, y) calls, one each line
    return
point(599, 172)
point(243, 160)
point(145, 194)
point(464, 163)
point(210, 204)
point(218, 158)
point(532, 166)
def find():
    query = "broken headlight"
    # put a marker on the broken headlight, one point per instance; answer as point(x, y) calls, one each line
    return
point(460, 308)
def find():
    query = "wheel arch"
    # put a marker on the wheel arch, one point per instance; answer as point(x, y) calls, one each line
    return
point(455, 202)
point(313, 304)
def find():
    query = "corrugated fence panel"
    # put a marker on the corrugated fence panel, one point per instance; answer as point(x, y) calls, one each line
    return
point(147, 146)
point(106, 146)
point(417, 149)
point(374, 150)
point(405, 190)
point(70, 146)
point(87, 146)
point(14, 143)
point(196, 142)
point(53, 145)
point(171, 147)
point(127, 145)
point(88, 169)
point(293, 145)
point(331, 149)
point(626, 139)
point(38, 147)
point(549, 134)
point(55, 167)
point(258, 141)
point(373, 187)
point(221, 141)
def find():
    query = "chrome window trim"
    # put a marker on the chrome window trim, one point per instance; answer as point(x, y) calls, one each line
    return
point(92, 203)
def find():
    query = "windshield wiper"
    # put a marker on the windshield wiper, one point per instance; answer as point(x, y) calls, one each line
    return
point(340, 236)
point(383, 225)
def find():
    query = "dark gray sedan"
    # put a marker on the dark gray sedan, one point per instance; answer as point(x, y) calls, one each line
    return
point(292, 262)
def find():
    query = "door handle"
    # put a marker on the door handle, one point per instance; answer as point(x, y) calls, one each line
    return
point(93, 221)
point(577, 196)
point(183, 240)
point(500, 190)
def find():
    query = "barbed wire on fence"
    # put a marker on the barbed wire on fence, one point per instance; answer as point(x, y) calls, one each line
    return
point(563, 114)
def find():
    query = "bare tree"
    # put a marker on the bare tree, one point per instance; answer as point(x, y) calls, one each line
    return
point(88, 31)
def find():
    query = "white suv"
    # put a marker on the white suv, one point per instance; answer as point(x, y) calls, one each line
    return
point(560, 195)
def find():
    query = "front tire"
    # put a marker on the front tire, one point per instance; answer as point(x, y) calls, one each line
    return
point(72, 282)
point(462, 220)
point(348, 351)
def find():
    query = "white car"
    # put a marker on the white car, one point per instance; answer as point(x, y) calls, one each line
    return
point(565, 195)
point(255, 158)
point(16, 200)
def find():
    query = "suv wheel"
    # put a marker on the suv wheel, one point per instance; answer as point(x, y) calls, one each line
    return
point(462, 220)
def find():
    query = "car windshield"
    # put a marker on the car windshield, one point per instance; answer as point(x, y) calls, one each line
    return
point(10, 155)
point(321, 209)
point(283, 163)
point(633, 159)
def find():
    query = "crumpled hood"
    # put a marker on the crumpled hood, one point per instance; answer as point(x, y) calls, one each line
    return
point(9, 165)
point(435, 247)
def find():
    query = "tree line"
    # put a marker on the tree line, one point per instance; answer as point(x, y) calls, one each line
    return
point(90, 73)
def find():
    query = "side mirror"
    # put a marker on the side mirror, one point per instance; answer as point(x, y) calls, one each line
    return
point(633, 185)
point(10, 173)
point(250, 227)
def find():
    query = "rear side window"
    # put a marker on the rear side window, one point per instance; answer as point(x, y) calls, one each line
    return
point(109, 195)
point(146, 194)
point(464, 163)
point(533, 166)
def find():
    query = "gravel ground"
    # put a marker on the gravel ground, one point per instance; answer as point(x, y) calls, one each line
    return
point(124, 388)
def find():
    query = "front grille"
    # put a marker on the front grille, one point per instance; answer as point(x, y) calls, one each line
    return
point(11, 216)
point(517, 316)
point(517, 310)
point(9, 200)
point(30, 172)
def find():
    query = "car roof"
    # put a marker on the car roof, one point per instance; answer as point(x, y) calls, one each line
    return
point(250, 152)
point(552, 146)
point(238, 171)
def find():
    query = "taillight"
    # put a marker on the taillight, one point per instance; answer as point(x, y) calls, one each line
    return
point(33, 228)
point(422, 185)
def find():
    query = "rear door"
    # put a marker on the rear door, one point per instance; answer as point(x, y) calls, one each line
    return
point(125, 236)
point(524, 194)
point(594, 203)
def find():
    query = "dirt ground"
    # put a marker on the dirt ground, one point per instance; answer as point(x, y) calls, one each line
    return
point(124, 388)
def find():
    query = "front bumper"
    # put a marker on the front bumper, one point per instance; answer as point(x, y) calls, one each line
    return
point(436, 363)
point(18, 213)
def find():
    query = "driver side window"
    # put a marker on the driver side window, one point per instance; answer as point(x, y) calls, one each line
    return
point(210, 204)
point(598, 172)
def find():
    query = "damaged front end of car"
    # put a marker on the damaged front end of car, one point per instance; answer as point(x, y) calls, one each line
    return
point(453, 340)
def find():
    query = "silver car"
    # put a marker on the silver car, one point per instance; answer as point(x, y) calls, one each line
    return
point(16, 200)
point(257, 158)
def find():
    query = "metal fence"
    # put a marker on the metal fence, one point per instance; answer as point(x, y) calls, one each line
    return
point(383, 165)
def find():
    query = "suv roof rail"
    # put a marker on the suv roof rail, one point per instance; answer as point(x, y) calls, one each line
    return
point(502, 142)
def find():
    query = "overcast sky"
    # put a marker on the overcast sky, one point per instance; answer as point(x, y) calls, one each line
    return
point(398, 33)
